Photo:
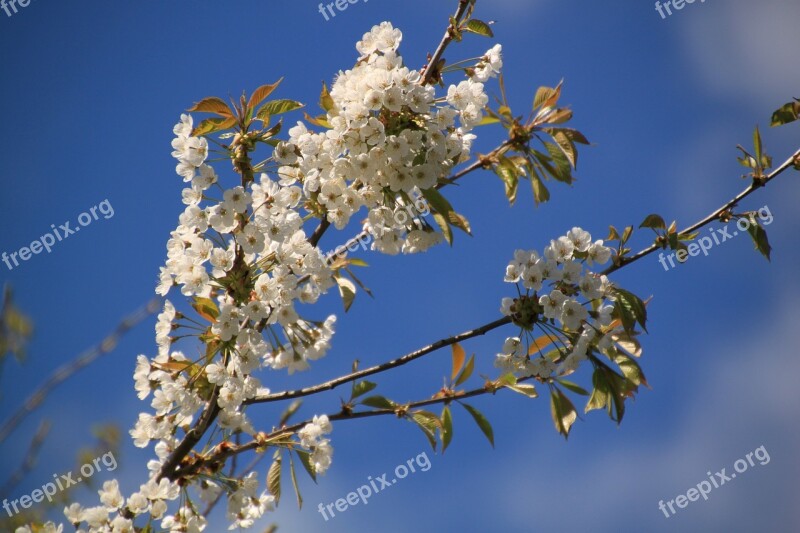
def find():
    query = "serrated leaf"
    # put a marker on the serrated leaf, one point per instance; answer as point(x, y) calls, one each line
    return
point(479, 27)
point(447, 428)
point(562, 411)
point(459, 356)
point(274, 476)
point(378, 402)
point(261, 94)
point(467, 372)
point(481, 421)
point(760, 239)
point(214, 105)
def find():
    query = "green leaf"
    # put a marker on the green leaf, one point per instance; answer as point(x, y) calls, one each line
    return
point(573, 387)
point(347, 290)
point(563, 170)
point(305, 460)
point(600, 393)
point(325, 100)
point(274, 477)
point(441, 221)
point(525, 389)
point(760, 239)
point(479, 27)
point(447, 428)
point(459, 356)
point(428, 423)
point(361, 388)
point(630, 369)
point(378, 402)
point(482, 422)
point(509, 173)
point(562, 411)
point(654, 221)
point(546, 97)
point(467, 372)
point(540, 192)
point(444, 214)
point(786, 114)
point(631, 309)
point(278, 107)
point(211, 125)
point(206, 308)
point(757, 144)
point(260, 94)
point(294, 483)
point(214, 105)
point(321, 121)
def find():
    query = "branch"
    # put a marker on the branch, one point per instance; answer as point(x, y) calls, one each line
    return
point(68, 370)
point(328, 385)
point(730, 204)
point(223, 453)
point(430, 69)
point(29, 461)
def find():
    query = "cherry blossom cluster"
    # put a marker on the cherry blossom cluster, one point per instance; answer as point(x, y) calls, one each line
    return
point(389, 139)
point(243, 259)
point(569, 301)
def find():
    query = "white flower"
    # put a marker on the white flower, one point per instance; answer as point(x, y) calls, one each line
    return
point(580, 239)
point(598, 253)
point(572, 314)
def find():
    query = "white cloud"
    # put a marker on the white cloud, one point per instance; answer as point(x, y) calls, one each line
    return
point(746, 50)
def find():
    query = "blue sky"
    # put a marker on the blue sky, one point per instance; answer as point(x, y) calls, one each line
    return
point(91, 92)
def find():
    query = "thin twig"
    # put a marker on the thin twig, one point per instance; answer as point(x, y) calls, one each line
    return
point(430, 70)
point(400, 361)
point(68, 370)
point(727, 206)
point(29, 461)
point(228, 451)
